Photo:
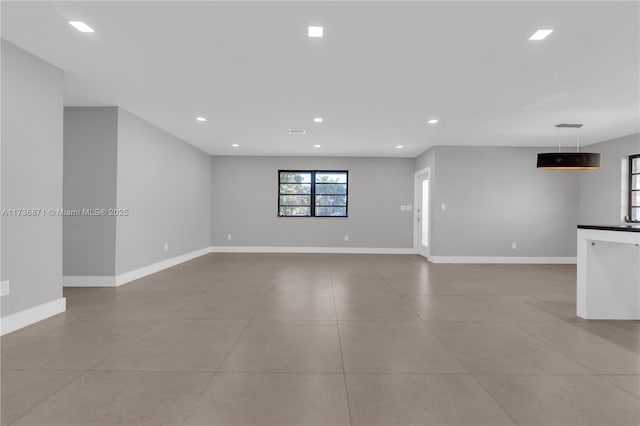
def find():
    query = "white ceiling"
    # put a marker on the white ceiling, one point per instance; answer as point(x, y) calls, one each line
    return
point(380, 72)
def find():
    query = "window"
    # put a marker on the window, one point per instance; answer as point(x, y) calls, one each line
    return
point(312, 193)
point(634, 188)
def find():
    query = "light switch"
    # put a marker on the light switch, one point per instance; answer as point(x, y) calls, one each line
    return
point(409, 207)
point(443, 206)
point(403, 208)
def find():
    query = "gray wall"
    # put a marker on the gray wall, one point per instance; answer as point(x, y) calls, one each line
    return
point(245, 191)
point(495, 196)
point(32, 104)
point(166, 185)
point(90, 138)
point(603, 199)
point(426, 159)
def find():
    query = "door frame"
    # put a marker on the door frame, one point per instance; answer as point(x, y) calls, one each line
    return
point(419, 176)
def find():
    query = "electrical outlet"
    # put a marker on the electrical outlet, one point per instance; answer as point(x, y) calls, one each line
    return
point(346, 238)
point(5, 288)
point(514, 245)
point(229, 237)
point(166, 246)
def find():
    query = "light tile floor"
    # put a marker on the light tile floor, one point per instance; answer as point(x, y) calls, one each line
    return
point(319, 339)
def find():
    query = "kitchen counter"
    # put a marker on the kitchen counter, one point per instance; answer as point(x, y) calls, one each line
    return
point(627, 227)
point(608, 272)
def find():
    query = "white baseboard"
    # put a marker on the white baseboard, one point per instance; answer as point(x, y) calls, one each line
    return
point(511, 259)
point(30, 316)
point(159, 266)
point(118, 280)
point(338, 250)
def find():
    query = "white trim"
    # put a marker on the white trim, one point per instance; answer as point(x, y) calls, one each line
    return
point(88, 281)
point(159, 266)
point(118, 280)
point(417, 196)
point(30, 316)
point(510, 259)
point(337, 250)
point(426, 170)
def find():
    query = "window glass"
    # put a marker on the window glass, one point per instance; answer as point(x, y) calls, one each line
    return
point(327, 177)
point(313, 193)
point(294, 211)
point(634, 188)
point(295, 177)
point(295, 188)
point(331, 188)
point(295, 200)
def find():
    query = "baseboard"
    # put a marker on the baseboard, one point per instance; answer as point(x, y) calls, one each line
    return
point(88, 281)
point(30, 316)
point(337, 250)
point(511, 259)
point(159, 266)
point(118, 280)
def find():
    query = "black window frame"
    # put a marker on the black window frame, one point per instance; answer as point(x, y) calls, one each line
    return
point(312, 193)
point(631, 190)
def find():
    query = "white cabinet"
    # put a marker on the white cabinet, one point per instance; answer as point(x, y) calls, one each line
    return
point(608, 274)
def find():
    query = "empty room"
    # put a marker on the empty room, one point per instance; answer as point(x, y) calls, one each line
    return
point(320, 213)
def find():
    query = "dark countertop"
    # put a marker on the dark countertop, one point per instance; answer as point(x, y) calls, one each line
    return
point(627, 227)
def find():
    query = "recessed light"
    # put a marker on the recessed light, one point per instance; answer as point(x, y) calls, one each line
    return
point(316, 146)
point(318, 120)
point(540, 35)
point(235, 145)
point(201, 119)
point(315, 31)
point(81, 26)
point(433, 121)
point(399, 146)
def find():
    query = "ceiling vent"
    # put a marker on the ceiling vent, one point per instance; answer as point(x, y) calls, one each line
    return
point(297, 131)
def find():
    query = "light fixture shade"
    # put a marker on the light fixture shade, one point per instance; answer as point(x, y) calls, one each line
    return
point(569, 161)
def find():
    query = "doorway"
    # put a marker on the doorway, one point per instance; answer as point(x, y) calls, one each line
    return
point(421, 224)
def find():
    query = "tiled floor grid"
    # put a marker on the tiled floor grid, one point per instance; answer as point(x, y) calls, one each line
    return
point(324, 339)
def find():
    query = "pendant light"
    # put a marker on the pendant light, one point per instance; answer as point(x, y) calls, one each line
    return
point(569, 160)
